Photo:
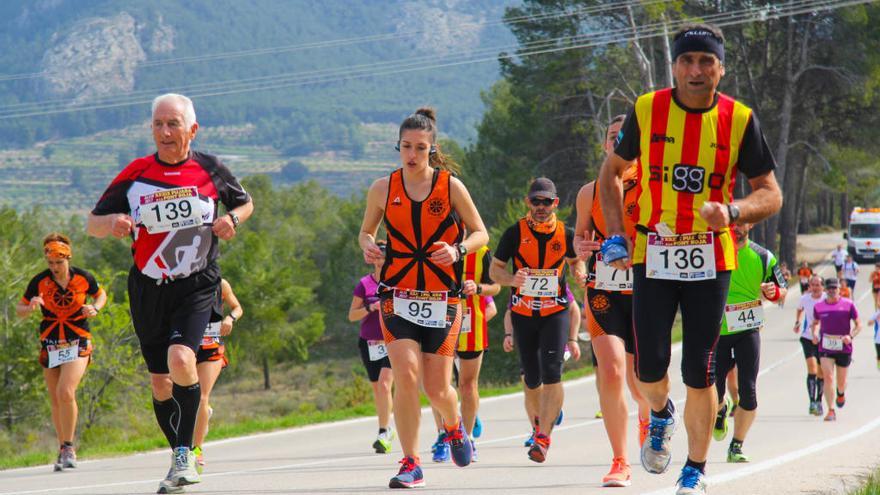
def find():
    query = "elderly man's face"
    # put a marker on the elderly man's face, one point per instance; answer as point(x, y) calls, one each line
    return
point(170, 132)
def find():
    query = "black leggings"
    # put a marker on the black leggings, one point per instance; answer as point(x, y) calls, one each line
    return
point(744, 351)
point(541, 345)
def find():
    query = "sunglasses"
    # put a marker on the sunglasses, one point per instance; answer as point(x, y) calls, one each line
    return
point(542, 202)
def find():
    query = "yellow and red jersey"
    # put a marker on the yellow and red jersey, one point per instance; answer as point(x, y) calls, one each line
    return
point(476, 268)
point(687, 157)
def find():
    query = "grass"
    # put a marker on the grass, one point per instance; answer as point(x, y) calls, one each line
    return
point(871, 485)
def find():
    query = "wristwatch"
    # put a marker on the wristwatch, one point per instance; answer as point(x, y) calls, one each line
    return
point(733, 212)
point(234, 319)
point(479, 289)
point(462, 251)
point(234, 218)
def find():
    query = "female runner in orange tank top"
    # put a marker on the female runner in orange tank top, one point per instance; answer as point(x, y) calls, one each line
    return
point(421, 205)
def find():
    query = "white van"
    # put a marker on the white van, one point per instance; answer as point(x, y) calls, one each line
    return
point(863, 234)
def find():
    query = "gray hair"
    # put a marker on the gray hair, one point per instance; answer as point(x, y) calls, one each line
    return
point(189, 111)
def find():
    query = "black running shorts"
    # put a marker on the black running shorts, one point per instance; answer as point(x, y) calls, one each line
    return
point(811, 350)
point(655, 303)
point(175, 312)
point(373, 367)
point(841, 359)
point(541, 344)
point(469, 355)
point(442, 341)
point(610, 313)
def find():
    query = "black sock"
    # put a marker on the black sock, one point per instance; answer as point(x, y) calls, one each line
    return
point(667, 411)
point(166, 416)
point(811, 386)
point(820, 389)
point(66, 444)
point(839, 393)
point(736, 443)
point(536, 422)
point(700, 466)
point(382, 430)
point(186, 400)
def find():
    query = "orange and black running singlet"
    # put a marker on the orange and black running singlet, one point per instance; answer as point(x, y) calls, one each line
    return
point(536, 254)
point(630, 199)
point(413, 227)
point(63, 320)
point(687, 157)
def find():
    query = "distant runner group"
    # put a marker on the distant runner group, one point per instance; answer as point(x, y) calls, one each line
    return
point(657, 233)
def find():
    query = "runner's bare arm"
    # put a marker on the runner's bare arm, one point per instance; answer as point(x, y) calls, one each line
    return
point(117, 224)
point(490, 289)
point(611, 185)
point(223, 226)
point(229, 298)
point(358, 310)
point(578, 269)
point(498, 272)
point(797, 320)
point(584, 243)
point(376, 197)
point(99, 301)
point(491, 310)
point(464, 206)
point(764, 200)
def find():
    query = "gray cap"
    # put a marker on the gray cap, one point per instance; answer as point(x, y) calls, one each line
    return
point(832, 282)
point(543, 187)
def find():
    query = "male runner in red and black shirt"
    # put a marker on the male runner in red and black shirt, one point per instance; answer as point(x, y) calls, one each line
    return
point(168, 203)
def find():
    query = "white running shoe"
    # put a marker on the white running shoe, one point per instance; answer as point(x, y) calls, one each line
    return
point(183, 471)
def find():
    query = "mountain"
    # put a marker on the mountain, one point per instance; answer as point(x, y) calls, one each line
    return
point(293, 68)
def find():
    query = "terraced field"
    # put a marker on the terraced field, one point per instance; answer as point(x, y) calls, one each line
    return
point(69, 175)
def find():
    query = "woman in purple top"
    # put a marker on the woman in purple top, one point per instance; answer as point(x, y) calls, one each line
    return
point(365, 308)
point(833, 334)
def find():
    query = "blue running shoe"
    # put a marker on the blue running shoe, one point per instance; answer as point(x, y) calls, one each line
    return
point(691, 482)
point(657, 451)
point(529, 441)
point(478, 428)
point(409, 476)
point(462, 450)
point(440, 449)
point(559, 418)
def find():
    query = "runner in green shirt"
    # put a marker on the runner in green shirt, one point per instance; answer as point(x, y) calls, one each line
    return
point(757, 276)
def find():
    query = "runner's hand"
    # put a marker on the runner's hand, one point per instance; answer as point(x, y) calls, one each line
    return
point(815, 339)
point(797, 327)
point(375, 306)
point(36, 302)
point(226, 326)
point(508, 343)
point(373, 254)
point(519, 278)
point(585, 247)
point(444, 255)
point(768, 289)
point(469, 288)
point(122, 225)
point(715, 214)
point(574, 349)
point(89, 310)
point(847, 339)
point(223, 228)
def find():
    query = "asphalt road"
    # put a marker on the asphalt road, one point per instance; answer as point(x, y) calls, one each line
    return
point(791, 451)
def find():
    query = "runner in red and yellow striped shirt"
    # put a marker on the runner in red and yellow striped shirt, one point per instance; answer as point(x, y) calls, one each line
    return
point(687, 142)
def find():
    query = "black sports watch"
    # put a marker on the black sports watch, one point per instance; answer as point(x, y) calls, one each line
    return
point(733, 212)
point(479, 289)
point(462, 251)
point(235, 220)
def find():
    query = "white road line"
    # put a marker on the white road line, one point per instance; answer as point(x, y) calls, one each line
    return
point(781, 459)
point(335, 460)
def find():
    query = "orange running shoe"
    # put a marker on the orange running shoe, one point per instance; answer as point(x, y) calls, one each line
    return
point(538, 450)
point(644, 426)
point(620, 474)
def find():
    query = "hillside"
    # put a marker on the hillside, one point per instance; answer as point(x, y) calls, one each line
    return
point(90, 53)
